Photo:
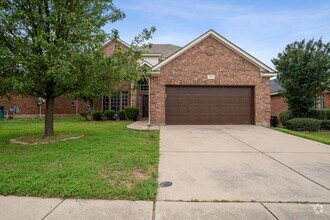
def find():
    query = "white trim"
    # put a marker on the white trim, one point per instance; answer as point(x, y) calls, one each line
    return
point(149, 109)
point(275, 93)
point(131, 100)
point(120, 41)
point(262, 74)
point(102, 103)
point(77, 106)
point(263, 67)
point(146, 63)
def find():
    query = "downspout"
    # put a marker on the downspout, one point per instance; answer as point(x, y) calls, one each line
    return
point(101, 103)
point(77, 106)
point(131, 100)
point(149, 110)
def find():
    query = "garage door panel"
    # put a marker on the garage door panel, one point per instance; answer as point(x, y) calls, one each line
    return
point(209, 105)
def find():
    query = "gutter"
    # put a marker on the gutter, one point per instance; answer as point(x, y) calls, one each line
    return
point(149, 110)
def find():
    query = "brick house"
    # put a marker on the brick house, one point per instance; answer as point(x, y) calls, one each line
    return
point(279, 105)
point(208, 81)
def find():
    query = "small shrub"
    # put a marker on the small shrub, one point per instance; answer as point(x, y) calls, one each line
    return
point(304, 124)
point(116, 117)
point(326, 113)
point(285, 116)
point(84, 115)
point(327, 110)
point(321, 114)
point(121, 115)
point(109, 114)
point(131, 113)
point(325, 124)
point(97, 115)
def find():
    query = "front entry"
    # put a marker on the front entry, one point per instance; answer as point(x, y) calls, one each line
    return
point(145, 107)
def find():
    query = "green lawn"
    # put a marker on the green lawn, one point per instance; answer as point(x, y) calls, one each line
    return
point(321, 136)
point(109, 162)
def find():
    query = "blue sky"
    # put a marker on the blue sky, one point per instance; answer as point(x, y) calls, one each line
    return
point(262, 28)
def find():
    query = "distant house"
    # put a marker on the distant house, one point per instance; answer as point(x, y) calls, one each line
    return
point(279, 105)
point(208, 81)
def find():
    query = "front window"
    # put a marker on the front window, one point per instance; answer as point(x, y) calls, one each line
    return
point(115, 102)
point(319, 102)
point(73, 101)
point(105, 101)
point(124, 100)
point(144, 87)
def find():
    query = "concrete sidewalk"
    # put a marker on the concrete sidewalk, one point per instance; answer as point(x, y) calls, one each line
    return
point(143, 126)
point(12, 208)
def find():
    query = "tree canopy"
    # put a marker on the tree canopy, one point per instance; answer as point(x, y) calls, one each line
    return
point(304, 73)
point(49, 47)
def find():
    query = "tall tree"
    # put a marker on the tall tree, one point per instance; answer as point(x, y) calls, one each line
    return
point(45, 45)
point(304, 73)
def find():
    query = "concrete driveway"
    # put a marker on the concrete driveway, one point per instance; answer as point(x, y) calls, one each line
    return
point(241, 163)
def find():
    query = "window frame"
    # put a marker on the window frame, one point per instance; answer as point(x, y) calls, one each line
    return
point(115, 101)
point(145, 85)
point(73, 102)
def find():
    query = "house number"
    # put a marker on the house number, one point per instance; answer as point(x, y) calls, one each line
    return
point(210, 76)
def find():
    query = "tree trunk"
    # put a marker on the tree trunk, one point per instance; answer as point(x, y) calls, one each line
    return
point(49, 126)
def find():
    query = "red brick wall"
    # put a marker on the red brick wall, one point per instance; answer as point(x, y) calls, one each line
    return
point(28, 105)
point(327, 100)
point(278, 104)
point(192, 67)
point(110, 48)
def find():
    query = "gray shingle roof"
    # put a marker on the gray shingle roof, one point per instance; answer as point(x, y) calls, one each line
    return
point(165, 49)
point(275, 86)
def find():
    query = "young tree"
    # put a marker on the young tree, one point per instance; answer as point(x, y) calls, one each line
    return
point(46, 45)
point(304, 73)
point(107, 74)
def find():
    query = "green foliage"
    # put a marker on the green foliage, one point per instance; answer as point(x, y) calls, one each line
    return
point(109, 114)
point(285, 116)
point(304, 124)
point(97, 115)
point(325, 124)
point(53, 48)
point(321, 114)
point(121, 115)
point(131, 113)
point(107, 74)
point(84, 115)
point(304, 73)
point(46, 45)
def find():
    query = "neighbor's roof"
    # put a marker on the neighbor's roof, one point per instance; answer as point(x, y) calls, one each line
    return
point(275, 87)
point(165, 49)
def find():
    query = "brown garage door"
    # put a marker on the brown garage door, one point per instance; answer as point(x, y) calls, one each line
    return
point(197, 105)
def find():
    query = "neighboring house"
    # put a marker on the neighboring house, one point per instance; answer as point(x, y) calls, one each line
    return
point(279, 105)
point(27, 106)
point(208, 81)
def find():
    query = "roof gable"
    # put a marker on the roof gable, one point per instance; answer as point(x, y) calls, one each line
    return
point(264, 69)
point(119, 41)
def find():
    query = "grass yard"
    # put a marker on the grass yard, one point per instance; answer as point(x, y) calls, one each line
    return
point(109, 162)
point(321, 136)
